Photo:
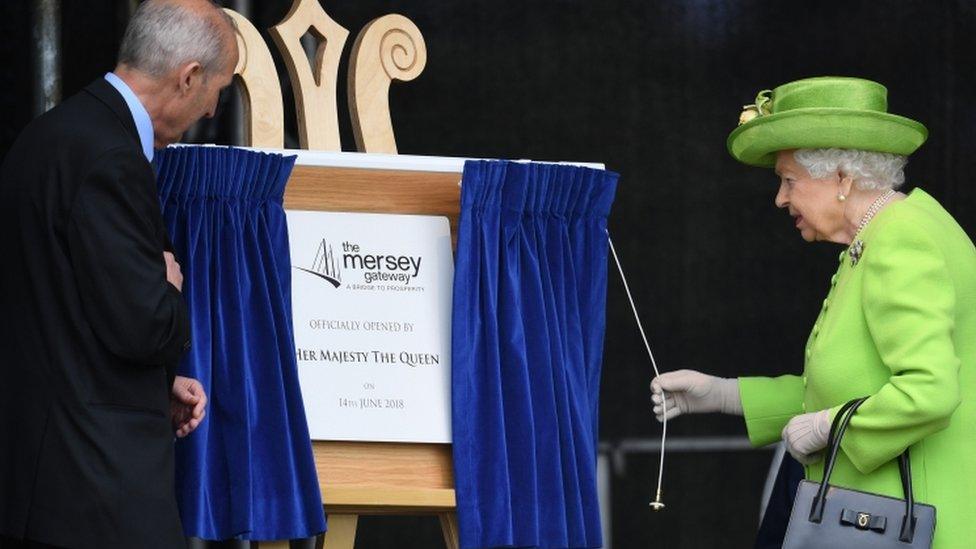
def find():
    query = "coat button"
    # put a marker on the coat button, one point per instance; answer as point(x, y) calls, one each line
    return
point(804, 381)
point(841, 256)
point(833, 280)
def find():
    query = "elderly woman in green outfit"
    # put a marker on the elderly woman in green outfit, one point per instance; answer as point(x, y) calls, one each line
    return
point(899, 320)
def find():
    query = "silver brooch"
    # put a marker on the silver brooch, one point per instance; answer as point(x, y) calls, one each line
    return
point(856, 250)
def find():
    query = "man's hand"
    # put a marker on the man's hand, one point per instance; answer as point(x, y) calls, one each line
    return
point(173, 274)
point(806, 434)
point(187, 405)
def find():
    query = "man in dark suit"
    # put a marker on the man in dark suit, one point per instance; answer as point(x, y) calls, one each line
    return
point(92, 321)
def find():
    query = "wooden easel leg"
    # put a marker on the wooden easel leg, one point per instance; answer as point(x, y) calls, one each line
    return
point(342, 532)
point(449, 527)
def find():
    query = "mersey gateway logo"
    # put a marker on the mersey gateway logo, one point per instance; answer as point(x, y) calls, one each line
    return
point(325, 265)
point(378, 271)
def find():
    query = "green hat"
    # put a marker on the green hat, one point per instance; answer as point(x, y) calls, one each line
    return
point(824, 112)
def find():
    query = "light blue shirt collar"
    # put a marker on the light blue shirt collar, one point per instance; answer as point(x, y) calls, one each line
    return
point(139, 114)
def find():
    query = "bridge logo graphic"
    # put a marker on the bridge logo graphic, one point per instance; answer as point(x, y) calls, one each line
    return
point(325, 265)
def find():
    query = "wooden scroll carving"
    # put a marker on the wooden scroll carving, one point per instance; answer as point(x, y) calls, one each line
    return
point(390, 47)
point(314, 87)
point(264, 119)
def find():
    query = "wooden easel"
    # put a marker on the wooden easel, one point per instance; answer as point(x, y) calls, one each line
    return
point(356, 478)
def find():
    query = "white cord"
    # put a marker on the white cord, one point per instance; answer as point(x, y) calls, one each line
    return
point(664, 431)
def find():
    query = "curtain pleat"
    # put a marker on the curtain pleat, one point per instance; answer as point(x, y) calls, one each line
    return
point(247, 472)
point(528, 326)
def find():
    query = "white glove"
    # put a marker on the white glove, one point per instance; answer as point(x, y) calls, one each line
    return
point(691, 392)
point(806, 434)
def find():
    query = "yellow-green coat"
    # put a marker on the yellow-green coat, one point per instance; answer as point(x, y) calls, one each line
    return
point(900, 326)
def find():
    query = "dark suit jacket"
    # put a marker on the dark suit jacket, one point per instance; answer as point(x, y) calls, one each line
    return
point(90, 332)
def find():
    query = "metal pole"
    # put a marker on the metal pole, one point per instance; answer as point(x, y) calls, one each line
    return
point(46, 54)
point(619, 451)
point(603, 481)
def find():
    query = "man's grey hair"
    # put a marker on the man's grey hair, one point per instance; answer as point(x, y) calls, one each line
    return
point(870, 170)
point(162, 36)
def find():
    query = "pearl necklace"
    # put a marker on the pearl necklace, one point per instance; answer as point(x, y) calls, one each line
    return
point(873, 210)
point(856, 249)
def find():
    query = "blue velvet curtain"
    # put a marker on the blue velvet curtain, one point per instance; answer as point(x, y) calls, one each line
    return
point(247, 472)
point(529, 318)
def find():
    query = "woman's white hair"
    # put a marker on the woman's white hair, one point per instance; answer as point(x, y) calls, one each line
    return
point(870, 170)
point(162, 36)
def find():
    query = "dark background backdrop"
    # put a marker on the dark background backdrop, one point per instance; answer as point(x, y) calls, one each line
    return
point(651, 88)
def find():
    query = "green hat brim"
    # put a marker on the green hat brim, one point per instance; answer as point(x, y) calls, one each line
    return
point(756, 142)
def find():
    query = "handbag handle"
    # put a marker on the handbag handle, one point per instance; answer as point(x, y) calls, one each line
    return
point(837, 430)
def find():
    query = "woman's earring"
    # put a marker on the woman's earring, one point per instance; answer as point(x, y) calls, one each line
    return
point(841, 197)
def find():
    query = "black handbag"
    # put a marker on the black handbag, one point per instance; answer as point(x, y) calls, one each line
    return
point(840, 518)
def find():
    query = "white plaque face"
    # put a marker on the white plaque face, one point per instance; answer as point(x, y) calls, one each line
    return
point(371, 297)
